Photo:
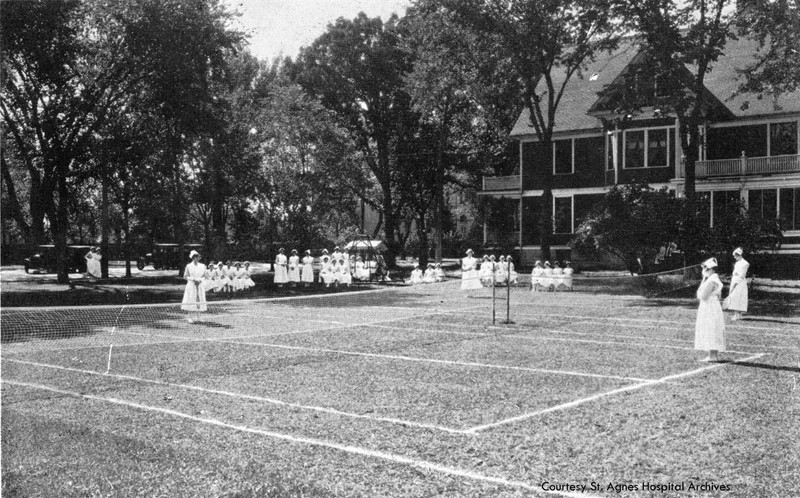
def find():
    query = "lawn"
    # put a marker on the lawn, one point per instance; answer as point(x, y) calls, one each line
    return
point(401, 391)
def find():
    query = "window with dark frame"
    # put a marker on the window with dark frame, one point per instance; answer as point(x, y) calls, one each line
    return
point(789, 210)
point(562, 157)
point(634, 149)
point(562, 215)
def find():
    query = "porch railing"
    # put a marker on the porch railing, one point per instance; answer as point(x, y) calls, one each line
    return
point(746, 166)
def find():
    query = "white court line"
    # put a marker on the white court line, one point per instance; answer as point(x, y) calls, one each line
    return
point(433, 360)
point(251, 397)
point(563, 339)
point(633, 387)
point(356, 450)
point(593, 318)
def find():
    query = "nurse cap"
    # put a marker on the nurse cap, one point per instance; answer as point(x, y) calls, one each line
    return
point(738, 251)
point(710, 263)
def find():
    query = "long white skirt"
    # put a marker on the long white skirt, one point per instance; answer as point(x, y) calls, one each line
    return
point(294, 274)
point(737, 300)
point(709, 330)
point(194, 297)
point(281, 274)
point(470, 280)
point(307, 273)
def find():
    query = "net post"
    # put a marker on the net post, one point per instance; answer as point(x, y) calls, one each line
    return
point(493, 296)
point(508, 292)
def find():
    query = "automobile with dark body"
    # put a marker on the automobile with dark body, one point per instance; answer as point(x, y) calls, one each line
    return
point(167, 256)
point(44, 260)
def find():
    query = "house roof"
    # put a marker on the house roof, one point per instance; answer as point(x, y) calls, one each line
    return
point(581, 92)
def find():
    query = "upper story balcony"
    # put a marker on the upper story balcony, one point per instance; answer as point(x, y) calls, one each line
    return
point(746, 166)
point(500, 183)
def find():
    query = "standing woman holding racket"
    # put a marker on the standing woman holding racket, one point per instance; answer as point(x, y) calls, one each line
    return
point(709, 330)
point(737, 297)
point(194, 296)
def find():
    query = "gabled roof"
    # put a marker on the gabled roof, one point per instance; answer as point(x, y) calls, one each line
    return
point(582, 93)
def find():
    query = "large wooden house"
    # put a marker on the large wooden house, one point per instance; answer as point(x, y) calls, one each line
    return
point(749, 149)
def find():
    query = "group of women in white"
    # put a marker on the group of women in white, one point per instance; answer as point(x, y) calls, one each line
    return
point(709, 331)
point(488, 272)
point(550, 278)
point(432, 274)
point(227, 277)
point(337, 268)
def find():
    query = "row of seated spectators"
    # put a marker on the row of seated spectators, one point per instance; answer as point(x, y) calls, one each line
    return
point(551, 277)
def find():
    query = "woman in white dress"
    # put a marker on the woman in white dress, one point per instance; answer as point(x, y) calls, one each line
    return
point(307, 271)
point(93, 258)
point(194, 296)
point(439, 273)
point(416, 275)
point(501, 272)
point(486, 273)
point(345, 277)
point(512, 272)
point(547, 279)
point(294, 268)
point(709, 330)
point(281, 268)
point(362, 273)
point(212, 277)
point(326, 274)
point(469, 273)
point(222, 277)
point(566, 280)
point(537, 277)
point(558, 276)
point(737, 297)
point(429, 277)
point(247, 276)
point(325, 259)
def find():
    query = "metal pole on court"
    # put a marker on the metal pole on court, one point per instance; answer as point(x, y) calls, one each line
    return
point(508, 293)
point(493, 293)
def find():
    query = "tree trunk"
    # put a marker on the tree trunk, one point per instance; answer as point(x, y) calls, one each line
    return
point(104, 229)
point(127, 230)
point(422, 235)
point(390, 227)
point(60, 228)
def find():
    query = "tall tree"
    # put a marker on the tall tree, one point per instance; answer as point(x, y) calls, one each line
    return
point(69, 66)
point(356, 69)
point(546, 43)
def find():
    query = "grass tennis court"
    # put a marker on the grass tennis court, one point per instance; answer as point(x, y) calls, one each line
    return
point(406, 391)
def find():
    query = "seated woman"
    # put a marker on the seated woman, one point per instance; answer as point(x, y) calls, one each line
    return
point(513, 277)
point(345, 278)
point(565, 282)
point(416, 275)
point(548, 281)
point(439, 273)
point(212, 277)
point(430, 274)
point(362, 272)
point(537, 277)
point(329, 273)
point(486, 272)
point(247, 276)
point(501, 272)
point(558, 275)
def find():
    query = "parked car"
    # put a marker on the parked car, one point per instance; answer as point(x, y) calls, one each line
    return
point(167, 256)
point(44, 260)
